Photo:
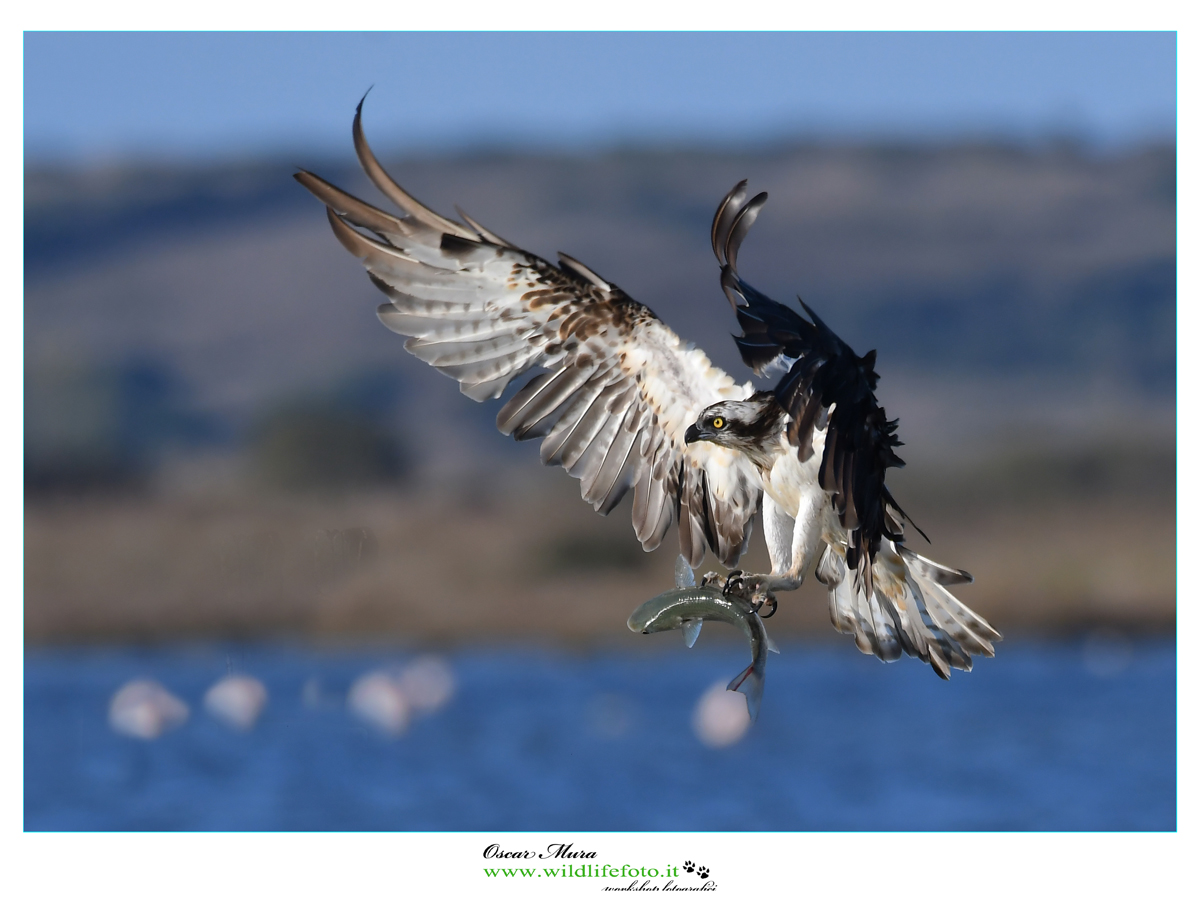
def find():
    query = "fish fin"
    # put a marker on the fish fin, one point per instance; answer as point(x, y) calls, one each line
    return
point(684, 577)
point(770, 643)
point(750, 683)
point(691, 630)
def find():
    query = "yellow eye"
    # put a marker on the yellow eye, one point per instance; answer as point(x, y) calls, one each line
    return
point(718, 422)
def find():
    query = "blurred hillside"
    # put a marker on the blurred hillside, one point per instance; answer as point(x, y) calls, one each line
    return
point(206, 381)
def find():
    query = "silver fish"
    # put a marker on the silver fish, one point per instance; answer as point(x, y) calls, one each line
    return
point(688, 605)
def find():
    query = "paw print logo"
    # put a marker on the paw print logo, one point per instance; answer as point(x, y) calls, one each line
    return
point(689, 866)
point(702, 872)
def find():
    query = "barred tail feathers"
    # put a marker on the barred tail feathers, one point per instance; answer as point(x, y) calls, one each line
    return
point(909, 610)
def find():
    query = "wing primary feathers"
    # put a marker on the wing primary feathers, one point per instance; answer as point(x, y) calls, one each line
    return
point(347, 236)
point(706, 519)
point(724, 217)
point(577, 423)
point(612, 474)
point(609, 412)
point(741, 225)
point(357, 211)
point(892, 600)
point(382, 180)
point(578, 268)
point(489, 236)
point(660, 511)
point(732, 287)
point(641, 505)
point(594, 424)
point(615, 389)
point(826, 382)
point(731, 222)
point(540, 399)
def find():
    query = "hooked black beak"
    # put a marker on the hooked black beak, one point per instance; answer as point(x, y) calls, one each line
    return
point(692, 435)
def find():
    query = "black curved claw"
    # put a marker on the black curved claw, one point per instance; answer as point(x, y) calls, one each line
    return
point(733, 583)
point(770, 602)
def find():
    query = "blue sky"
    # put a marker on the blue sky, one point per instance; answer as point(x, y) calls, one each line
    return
point(204, 96)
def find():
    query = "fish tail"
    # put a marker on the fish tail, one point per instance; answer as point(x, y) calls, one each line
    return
point(749, 682)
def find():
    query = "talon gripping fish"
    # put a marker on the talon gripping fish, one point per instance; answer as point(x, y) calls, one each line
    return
point(688, 605)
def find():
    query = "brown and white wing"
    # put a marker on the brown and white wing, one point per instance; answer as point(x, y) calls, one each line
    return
point(618, 390)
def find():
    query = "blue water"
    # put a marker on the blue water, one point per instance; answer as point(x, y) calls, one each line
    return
point(1038, 738)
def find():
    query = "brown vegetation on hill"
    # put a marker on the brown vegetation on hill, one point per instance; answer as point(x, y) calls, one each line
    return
point(221, 440)
point(520, 558)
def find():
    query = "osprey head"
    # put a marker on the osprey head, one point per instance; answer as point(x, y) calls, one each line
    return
point(740, 424)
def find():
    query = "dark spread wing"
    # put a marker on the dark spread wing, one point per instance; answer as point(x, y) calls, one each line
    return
point(618, 390)
point(826, 386)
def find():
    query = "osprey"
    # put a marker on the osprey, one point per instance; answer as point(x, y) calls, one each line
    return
point(623, 404)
